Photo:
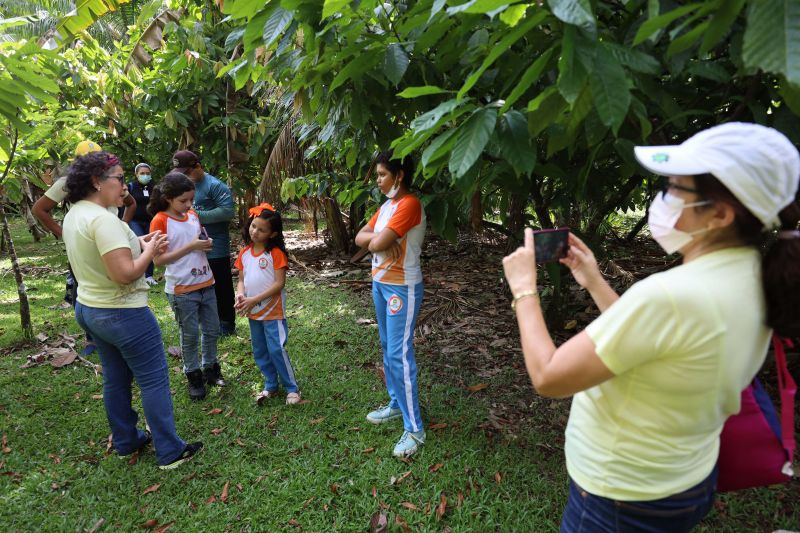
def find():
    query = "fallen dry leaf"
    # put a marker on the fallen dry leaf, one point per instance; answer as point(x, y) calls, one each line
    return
point(41, 337)
point(211, 499)
point(163, 528)
point(476, 388)
point(572, 324)
point(440, 425)
point(240, 487)
point(151, 488)
point(6, 449)
point(56, 459)
point(400, 521)
point(498, 477)
point(379, 522)
point(459, 499)
point(398, 480)
point(217, 431)
point(97, 396)
point(410, 506)
point(174, 351)
point(62, 357)
point(374, 491)
point(441, 508)
point(97, 525)
point(436, 467)
point(314, 421)
point(224, 496)
point(295, 523)
point(335, 489)
point(150, 524)
point(214, 411)
point(303, 402)
point(368, 450)
point(239, 442)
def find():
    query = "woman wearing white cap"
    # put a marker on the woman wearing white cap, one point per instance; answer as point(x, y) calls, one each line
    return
point(655, 376)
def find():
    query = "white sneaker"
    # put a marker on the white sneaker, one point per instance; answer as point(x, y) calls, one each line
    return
point(150, 281)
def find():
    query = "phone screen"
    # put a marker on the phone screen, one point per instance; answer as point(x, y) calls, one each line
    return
point(203, 235)
point(550, 244)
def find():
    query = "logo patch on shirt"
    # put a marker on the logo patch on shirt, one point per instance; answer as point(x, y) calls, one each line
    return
point(395, 304)
point(262, 262)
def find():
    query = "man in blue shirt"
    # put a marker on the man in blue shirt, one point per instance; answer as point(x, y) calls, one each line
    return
point(213, 203)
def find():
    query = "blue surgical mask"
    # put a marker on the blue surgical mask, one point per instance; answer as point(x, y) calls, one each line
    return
point(144, 179)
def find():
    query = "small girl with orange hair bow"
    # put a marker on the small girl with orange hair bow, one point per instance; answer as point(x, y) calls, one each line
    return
point(260, 295)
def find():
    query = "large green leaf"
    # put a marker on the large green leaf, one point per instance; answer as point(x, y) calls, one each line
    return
point(431, 118)
point(500, 48)
point(720, 24)
point(438, 147)
point(331, 7)
point(513, 14)
point(395, 63)
point(355, 68)
point(86, 13)
point(772, 38)
point(575, 12)
point(633, 59)
point(654, 24)
point(425, 90)
point(275, 25)
point(687, 40)
point(571, 72)
point(610, 90)
point(515, 143)
point(529, 77)
point(472, 138)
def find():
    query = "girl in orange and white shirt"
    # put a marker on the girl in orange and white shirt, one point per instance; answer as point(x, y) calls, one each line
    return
point(261, 297)
point(189, 281)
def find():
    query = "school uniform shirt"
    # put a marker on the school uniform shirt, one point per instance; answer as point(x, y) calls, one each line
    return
point(682, 345)
point(259, 274)
point(407, 219)
point(90, 232)
point(191, 272)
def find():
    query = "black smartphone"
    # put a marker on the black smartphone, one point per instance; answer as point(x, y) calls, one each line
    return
point(550, 244)
point(203, 235)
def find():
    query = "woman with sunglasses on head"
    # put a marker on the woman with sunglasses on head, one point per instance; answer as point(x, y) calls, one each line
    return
point(656, 375)
point(109, 262)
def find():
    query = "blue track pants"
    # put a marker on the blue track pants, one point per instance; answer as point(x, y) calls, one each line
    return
point(269, 351)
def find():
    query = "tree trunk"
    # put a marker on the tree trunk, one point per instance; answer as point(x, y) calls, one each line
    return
point(26, 206)
point(337, 229)
point(24, 308)
point(476, 212)
point(516, 220)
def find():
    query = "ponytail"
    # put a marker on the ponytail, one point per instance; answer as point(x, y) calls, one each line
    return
point(172, 185)
point(781, 274)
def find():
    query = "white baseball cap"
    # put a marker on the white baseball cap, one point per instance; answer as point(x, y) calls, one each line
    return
point(759, 165)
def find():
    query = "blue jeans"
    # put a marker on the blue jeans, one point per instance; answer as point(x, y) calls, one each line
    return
point(587, 513)
point(269, 351)
point(141, 230)
point(130, 346)
point(196, 312)
point(396, 309)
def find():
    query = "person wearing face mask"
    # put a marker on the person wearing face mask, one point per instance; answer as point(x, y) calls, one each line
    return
point(656, 375)
point(394, 235)
point(141, 188)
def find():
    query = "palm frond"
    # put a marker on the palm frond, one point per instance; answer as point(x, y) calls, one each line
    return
point(285, 159)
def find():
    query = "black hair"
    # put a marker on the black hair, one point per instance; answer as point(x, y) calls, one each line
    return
point(79, 176)
point(395, 165)
point(275, 224)
point(780, 266)
point(172, 185)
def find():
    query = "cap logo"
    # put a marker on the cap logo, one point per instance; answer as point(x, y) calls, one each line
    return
point(660, 157)
point(175, 162)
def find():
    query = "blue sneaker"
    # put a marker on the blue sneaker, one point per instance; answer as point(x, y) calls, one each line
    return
point(409, 443)
point(383, 414)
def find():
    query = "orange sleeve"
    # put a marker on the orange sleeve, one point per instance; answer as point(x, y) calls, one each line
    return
point(374, 219)
point(238, 263)
point(407, 215)
point(159, 222)
point(279, 259)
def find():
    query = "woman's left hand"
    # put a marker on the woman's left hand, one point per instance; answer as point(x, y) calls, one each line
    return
point(520, 266)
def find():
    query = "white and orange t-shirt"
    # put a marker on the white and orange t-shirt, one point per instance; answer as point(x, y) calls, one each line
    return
point(191, 272)
point(259, 274)
point(406, 218)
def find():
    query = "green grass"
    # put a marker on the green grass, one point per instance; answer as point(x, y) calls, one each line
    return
point(310, 465)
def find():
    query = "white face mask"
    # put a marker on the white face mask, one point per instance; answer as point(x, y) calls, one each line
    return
point(144, 179)
point(664, 213)
point(393, 191)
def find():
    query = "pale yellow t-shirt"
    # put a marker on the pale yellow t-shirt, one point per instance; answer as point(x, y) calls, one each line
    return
point(90, 232)
point(58, 193)
point(682, 345)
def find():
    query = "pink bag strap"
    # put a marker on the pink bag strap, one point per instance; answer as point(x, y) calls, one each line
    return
point(788, 389)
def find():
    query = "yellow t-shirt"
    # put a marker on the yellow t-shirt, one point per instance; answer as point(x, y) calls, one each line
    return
point(682, 345)
point(90, 232)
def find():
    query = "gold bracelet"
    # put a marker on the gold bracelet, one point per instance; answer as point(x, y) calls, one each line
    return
point(522, 296)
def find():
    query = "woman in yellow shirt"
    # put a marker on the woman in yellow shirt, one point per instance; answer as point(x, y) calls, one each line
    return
point(656, 375)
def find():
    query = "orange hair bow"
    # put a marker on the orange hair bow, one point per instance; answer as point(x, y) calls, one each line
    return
point(257, 210)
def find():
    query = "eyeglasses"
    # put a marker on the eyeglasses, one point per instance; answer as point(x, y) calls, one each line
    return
point(667, 186)
point(120, 177)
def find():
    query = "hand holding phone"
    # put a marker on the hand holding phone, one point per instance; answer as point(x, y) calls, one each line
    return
point(203, 234)
point(551, 244)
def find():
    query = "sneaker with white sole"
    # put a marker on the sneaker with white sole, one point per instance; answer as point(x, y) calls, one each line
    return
point(188, 452)
point(150, 281)
point(409, 443)
point(293, 398)
point(384, 413)
point(265, 395)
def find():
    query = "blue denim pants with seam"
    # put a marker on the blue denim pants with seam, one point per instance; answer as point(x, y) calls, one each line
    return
point(196, 313)
point(396, 310)
point(269, 352)
point(677, 513)
point(130, 347)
